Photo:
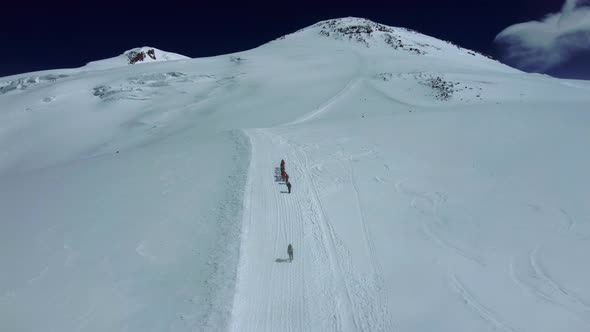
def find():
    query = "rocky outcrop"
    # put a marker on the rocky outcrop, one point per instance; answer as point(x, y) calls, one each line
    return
point(139, 56)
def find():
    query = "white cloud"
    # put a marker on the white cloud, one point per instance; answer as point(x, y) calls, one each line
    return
point(543, 45)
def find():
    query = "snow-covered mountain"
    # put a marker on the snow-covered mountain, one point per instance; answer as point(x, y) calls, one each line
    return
point(434, 189)
point(134, 56)
point(375, 35)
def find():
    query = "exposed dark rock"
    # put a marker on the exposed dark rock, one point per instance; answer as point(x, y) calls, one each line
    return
point(364, 31)
point(236, 59)
point(139, 56)
point(152, 53)
point(443, 90)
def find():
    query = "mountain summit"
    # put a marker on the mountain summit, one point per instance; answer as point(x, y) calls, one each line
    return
point(370, 34)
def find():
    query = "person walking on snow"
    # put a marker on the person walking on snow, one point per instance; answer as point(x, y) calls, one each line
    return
point(290, 252)
point(289, 186)
point(283, 170)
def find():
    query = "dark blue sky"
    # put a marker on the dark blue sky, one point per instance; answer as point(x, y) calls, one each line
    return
point(48, 35)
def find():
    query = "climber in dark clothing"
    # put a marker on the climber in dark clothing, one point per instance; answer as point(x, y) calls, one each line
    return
point(290, 252)
point(289, 186)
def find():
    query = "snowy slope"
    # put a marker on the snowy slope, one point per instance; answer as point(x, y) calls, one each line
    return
point(434, 189)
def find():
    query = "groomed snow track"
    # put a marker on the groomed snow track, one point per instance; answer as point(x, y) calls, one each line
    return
point(318, 290)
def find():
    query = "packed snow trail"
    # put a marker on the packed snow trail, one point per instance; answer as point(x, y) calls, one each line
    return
point(268, 225)
point(317, 291)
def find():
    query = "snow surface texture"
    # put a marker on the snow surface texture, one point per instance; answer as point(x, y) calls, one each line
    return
point(434, 189)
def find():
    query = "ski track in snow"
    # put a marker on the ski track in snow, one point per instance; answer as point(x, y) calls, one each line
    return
point(379, 309)
point(364, 294)
point(362, 219)
point(352, 83)
point(39, 275)
point(433, 228)
point(570, 222)
point(325, 106)
point(470, 300)
point(529, 275)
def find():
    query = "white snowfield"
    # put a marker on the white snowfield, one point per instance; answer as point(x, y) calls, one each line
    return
point(433, 189)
